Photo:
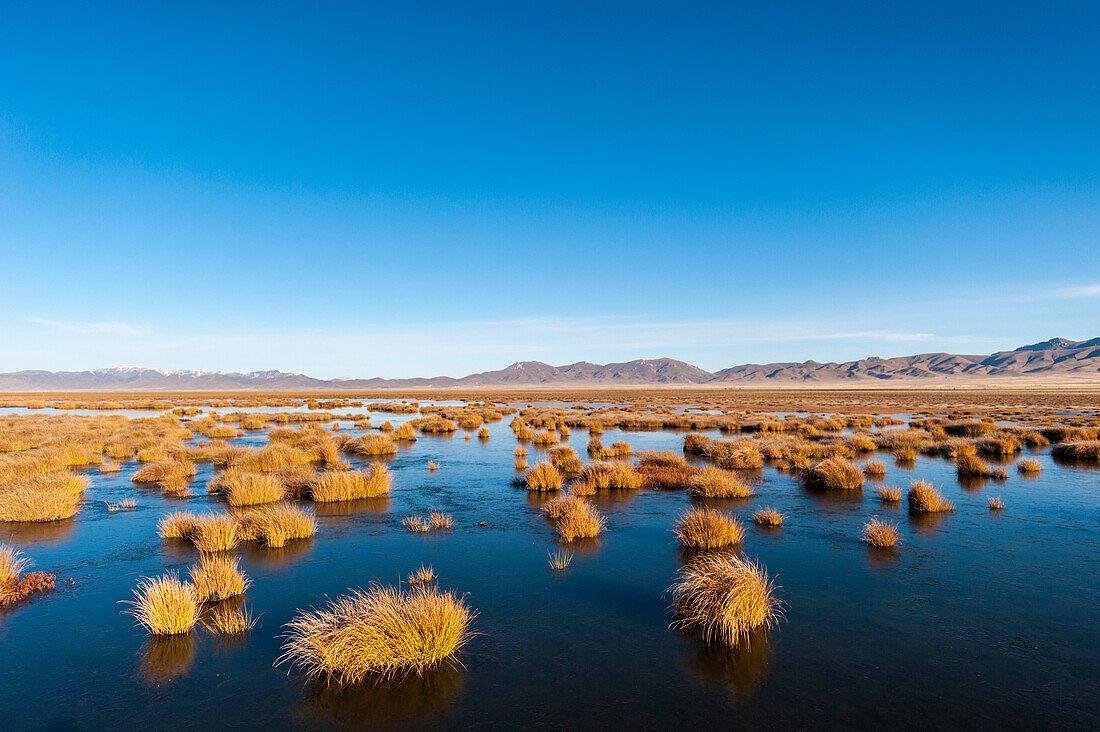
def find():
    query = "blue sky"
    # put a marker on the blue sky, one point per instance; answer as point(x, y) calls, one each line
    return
point(438, 188)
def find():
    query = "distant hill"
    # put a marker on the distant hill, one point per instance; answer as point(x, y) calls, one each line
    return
point(1054, 361)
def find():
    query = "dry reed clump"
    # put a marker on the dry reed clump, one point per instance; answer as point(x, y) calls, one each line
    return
point(372, 445)
point(128, 504)
point(708, 528)
point(214, 533)
point(223, 620)
point(718, 483)
point(379, 633)
point(110, 468)
point(726, 597)
point(52, 496)
point(423, 575)
point(1029, 467)
point(905, 454)
point(768, 517)
point(12, 565)
point(923, 498)
point(165, 605)
point(483, 433)
point(972, 466)
point(667, 477)
point(275, 525)
point(874, 469)
point(548, 437)
point(575, 518)
point(543, 477)
point(560, 560)
point(666, 459)
point(218, 577)
point(1087, 451)
point(610, 476)
point(247, 487)
point(833, 474)
point(352, 485)
point(889, 494)
point(416, 524)
point(565, 459)
point(996, 504)
point(171, 475)
point(880, 534)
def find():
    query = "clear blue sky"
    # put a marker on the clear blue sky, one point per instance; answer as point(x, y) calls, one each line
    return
point(421, 188)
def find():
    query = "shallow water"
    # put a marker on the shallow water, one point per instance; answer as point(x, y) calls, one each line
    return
point(978, 619)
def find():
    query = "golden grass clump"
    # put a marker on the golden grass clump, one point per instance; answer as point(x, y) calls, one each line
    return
point(708, 528)
point(560, 560)
point(726, 597)
point(833, 474)
point(483, 433)
point(171, 475)
point(373, 445)
point(379, 633)
point(543, 477)
point(247, 487)
point(718, 483)
point(52, 496)
point(972, 466)
point(666, 459)
point(905, 454)
point(924, 498)
point(423, 575)
point(575, 518)
point(178, 525)
point(996, 504)
point(1029, 466)
point(880, 534)
point(352, 485)
point(165, 605)
point(214, 533)
point(610, 476)
point(1086, 451)
point(440, 521)
point(874, 469)
point(12, 564)
point(416, 524)
point(889, 494)
point(218, 577)
point(275, 525)
point(768, 517)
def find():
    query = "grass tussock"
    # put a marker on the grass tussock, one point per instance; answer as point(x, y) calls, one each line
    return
point(833, 474)
point(243, 487)
point(575, 518)
point(889, 494)
point(924, 498)
point(543, 477)
point(768, 517)
point(275, 525)
point(53, 496)
point(422, 575)
point(709, 528)
point(560, 560)
point(165, 605)
point(610, 476)
point(874, 469)
point(372, 445)
point(972, 466)
point(718, 483)
point(725, 597)
point(352, 485)
point(171, 475)
point(379, 633)
point(1029, 467)
point(880, 534)
point(15, 586)
point(218, 577)
point(996, 504)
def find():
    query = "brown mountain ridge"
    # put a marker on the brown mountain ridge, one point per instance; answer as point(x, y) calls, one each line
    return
point(1052, 361)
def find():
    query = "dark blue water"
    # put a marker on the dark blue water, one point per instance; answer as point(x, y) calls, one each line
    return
point(978, 619)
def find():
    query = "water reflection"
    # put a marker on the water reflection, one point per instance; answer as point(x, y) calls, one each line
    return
point(739, 669)
point(167, 658)
point(49, 532)
point(274, 557)
point(347, 508)
point(415, 700)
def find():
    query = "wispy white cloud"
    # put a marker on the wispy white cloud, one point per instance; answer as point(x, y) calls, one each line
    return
point(1081, 291)
point(102, 328)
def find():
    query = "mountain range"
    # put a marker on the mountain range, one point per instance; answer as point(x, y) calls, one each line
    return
point(1054, 361)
